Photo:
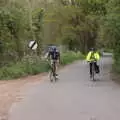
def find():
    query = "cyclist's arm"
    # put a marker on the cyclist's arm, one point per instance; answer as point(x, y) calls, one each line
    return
point(88, 57)
point(48, 56)
point(97, 56)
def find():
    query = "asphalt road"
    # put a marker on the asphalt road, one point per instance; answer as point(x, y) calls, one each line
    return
point(73, 97)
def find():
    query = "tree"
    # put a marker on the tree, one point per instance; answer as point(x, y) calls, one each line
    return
point(38, 15)
point(80, 18)
point(112, 26)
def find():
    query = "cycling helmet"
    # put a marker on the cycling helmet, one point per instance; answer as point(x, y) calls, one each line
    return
point(92, 49)
point(54, 48)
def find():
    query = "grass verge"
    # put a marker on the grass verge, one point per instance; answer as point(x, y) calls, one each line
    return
point(33, 65)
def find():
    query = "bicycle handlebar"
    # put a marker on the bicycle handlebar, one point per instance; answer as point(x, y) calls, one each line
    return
point(92, 61)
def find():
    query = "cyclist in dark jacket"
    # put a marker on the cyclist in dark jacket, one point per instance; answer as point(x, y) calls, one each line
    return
point(54, 56)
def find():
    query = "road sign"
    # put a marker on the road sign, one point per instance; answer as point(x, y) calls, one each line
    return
point(33, 45)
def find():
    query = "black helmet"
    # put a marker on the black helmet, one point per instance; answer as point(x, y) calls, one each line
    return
point(92, 49)
point(54, 48)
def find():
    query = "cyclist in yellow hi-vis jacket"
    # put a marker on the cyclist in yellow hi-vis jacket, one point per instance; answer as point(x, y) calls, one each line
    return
point(93, 56)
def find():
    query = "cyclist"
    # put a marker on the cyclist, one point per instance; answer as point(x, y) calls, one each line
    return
point(93, 55)
point(54, 56)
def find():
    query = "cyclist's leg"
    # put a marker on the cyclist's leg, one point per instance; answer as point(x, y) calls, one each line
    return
point(51, 70)
point(90, 69)
point(95, 64)
point(55, 67)
point(52, 62)
point(57, 63)
point(96, 67)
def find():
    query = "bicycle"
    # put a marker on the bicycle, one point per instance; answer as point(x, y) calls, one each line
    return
point(53, 72)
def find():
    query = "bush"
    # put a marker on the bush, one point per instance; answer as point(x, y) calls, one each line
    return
point(108, 50)
point(24, 68)
point(14, 71)
point(34, 65)
point(69, 57)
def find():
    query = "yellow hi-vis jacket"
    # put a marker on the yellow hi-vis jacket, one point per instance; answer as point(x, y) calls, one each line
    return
point(93, 56)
